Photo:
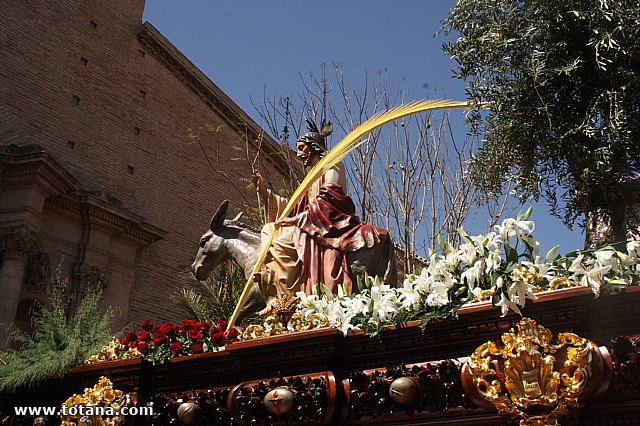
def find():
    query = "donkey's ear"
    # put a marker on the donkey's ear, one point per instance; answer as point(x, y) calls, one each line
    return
point(238, 216)
point(218, 217)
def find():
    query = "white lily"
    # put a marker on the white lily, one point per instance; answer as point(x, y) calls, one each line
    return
point(474, 274)
point(439, 295)
point(633, 249)
point(505, 305)
point(588, 277)
point(519, 291)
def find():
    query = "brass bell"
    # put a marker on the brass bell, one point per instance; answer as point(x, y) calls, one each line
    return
point(189, 413)
point(40, 421)
point(404, 391)
point(279, 400)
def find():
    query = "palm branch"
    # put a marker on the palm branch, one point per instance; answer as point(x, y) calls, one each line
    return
point(333, 157)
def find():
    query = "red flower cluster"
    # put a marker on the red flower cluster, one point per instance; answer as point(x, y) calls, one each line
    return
point(159, 343)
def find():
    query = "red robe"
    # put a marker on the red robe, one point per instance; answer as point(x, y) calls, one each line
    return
point(327, 229)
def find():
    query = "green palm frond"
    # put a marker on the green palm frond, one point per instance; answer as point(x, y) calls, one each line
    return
point(214, 298)
point(192, 304)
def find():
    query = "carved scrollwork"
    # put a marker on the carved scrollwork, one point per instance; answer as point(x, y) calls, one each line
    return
point(432, 387)
point(209, 407)
point(37, 271)
point(530, 377)
point(285, 321)
point(18, 241)
point(310, 403)
point(92, 276)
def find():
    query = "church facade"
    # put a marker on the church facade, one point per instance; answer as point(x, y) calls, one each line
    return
point(100, 177)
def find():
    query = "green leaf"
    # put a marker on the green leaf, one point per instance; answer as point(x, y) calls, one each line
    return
point(512, 254)
point(551, 253)
point(59, 341)
point(441, 243)
point(326, 292)
point(359, 283)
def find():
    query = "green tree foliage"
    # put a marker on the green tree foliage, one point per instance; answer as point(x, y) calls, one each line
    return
point(562, 83)
point(59, 341)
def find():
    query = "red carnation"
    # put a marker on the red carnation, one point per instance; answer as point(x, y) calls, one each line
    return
point(231, 333)
point(123, 341)
point(175, 348)
point(147, 325)
point(218, 339)
point(216, 330)
point(194, 334)
point(198, 349)
point(222, 324)
point(131, 336)
point(144, 336)
point(143, 348)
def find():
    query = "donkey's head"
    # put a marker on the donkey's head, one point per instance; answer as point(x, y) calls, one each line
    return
point(213, 248)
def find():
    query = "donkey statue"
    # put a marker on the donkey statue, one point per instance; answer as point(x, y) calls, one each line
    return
point(241, 243)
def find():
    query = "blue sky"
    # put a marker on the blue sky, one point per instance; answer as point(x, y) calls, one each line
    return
point(247, 46)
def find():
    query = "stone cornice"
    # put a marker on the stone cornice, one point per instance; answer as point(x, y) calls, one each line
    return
point(31, 162)
point(20, 162)
point(97, 209)
point(213, 97)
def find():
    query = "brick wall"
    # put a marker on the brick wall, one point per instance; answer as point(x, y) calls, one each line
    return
point(76, 79)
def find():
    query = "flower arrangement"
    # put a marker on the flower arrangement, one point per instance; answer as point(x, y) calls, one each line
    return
point(158, 344)
point(99, 406)
point(503, 265)
point(114, 350)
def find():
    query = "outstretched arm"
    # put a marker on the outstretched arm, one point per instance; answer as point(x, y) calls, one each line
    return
point(261, 187)
point(273, 204)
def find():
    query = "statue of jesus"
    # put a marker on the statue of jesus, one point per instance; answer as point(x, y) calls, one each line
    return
point(311, 244)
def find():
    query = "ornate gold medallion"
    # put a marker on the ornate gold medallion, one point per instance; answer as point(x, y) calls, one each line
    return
point(530, 377)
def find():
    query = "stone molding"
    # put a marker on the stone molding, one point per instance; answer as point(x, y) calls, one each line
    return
point(31, 161)
point(20, 161)
point(94, 207)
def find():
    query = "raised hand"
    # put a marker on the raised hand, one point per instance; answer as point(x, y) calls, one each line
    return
point(261, 187)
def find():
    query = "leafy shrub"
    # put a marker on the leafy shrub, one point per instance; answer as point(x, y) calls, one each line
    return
point(60, 340)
